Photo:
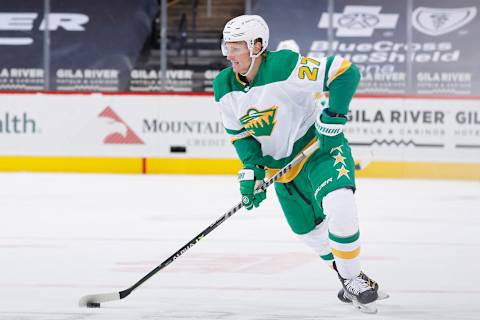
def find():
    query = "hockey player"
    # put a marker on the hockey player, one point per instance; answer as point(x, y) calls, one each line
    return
point(267, 104)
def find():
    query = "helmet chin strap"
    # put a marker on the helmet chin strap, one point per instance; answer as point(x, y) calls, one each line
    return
point(251, 64)
point(249, 68)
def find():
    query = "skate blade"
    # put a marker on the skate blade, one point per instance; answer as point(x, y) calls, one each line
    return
point(370, 308)
point(382, 295)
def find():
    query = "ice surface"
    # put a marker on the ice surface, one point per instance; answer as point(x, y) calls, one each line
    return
point(63, 236)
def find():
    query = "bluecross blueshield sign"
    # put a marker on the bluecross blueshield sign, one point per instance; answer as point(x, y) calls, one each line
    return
point(373, 35)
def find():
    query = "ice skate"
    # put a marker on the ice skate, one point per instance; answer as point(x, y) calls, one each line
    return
point(381, 294)
point(361, 291)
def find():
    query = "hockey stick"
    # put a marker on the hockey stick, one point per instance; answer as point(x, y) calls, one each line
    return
point(94, 300)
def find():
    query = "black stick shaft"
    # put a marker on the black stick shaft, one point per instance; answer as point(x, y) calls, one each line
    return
point(219, 221)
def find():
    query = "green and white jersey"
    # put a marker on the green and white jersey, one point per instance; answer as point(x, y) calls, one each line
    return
point(278, 108)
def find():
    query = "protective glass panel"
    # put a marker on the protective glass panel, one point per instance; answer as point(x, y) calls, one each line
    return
point(94, 45)
point(21, 45)
point(194, 42)
point(445, 47)
point(372, 34)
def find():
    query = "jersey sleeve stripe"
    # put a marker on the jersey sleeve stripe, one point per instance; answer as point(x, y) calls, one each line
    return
point(239, 136)
point(234, 132)
point(335, 64)
point(337, 71)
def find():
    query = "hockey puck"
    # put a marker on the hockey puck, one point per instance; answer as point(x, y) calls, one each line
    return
point(93, 305)
point(178, 149)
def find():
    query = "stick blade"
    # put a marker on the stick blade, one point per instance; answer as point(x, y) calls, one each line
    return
point(92, 299)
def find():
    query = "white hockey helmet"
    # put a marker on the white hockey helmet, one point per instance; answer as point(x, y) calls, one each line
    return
point(246, 28)
point(288, 44)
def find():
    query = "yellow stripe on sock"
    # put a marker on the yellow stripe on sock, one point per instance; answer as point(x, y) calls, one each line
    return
point(346, 254)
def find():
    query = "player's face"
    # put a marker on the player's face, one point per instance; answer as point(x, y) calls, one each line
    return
point(238, 55)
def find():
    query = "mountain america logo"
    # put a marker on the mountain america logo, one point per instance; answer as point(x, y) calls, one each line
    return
point(259, 123)
point(359, 21)
point(438, 21)
point(120, 132)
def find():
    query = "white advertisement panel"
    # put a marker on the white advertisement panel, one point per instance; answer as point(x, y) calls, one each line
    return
point(112, 125)
point(163, 126)
point(416, 129)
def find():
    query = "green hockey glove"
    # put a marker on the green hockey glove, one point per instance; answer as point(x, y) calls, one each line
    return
point(329, 130)
point(250, 178)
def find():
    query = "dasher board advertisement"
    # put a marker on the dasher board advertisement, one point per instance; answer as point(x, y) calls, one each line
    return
point(394, 129)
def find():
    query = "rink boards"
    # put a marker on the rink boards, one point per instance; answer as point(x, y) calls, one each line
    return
point(398, 137)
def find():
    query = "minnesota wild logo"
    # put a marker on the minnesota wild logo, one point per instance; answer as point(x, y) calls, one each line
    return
point(259, 123)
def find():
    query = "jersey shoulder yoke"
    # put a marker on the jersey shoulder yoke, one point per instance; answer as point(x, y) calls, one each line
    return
point(277, 66)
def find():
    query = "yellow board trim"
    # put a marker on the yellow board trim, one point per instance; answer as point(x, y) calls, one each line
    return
point(346, 254)
point(71, 164)
point(421, 170)
point(376, 169)
point(193, 166)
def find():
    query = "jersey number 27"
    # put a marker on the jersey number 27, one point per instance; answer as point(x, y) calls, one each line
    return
point(310, 72)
